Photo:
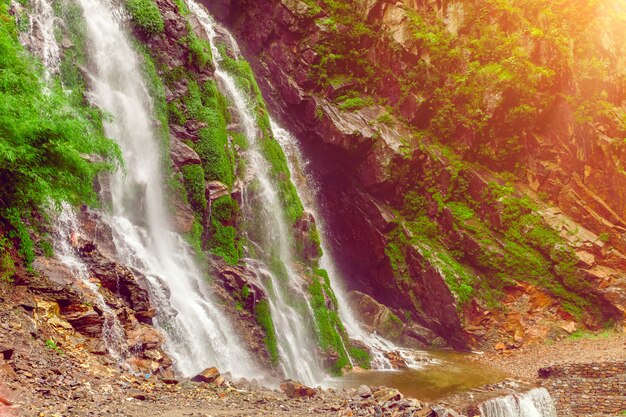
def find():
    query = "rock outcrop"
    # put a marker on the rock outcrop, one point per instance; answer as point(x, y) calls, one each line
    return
point(367, 161)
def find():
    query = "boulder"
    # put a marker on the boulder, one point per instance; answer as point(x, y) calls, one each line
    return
point(182, 154)
point(208, 375)
point(396, 360)
point(364, 391)
point(215, 190)
point(294, 389)
point(377, 316)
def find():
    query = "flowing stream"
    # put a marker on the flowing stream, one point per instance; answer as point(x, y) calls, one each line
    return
point(534, 403)
point(66, 230)
point(307, 190)
point(287, 293)
point(197, 332)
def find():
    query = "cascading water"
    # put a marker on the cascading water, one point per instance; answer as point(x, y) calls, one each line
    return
point(113, 335)
point(40, 35)
point(534, 403)
point(197, 333)
point(306, 187)
point(289, 305)
point(41, 39)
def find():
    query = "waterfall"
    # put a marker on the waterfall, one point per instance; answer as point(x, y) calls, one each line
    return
point(40, 36)
point(289, 304)
point(197, 333)
point(534, 403)
point(113, 334)
point(307, 189)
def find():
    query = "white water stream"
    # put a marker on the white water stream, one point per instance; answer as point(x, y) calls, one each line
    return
point(290, 309)
point(534, 403)
point(307, 189)
point(198, 334)
point(40, 35)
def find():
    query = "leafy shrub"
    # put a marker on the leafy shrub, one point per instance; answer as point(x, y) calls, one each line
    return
point(147, 15)
point(43, 140)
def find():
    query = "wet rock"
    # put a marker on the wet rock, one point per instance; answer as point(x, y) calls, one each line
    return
point(182, 154)
point(215, 190)
point(364, 391)
point(85, 320)
point(294, 389)
point(208, 375)
point(396, 360)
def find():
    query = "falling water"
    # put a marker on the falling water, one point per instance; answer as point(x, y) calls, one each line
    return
point(112, 331)
point(290, 308)
point(40, 38)
point(534, 403)
point(197, 333)
point(40, 35)
point(307, 190)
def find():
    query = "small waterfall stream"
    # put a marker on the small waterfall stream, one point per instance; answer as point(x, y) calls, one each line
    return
point(41, 34)
point(289, 305)
point(534, 403)
point(67, 227)
point(307, 190)
point(197, 332)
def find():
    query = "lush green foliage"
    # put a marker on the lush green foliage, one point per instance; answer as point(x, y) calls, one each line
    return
point(223, 241)
point(146, 14)
point(44, 138)
point(264, 318)
point(208, 106)
point(328, 325)
point(194, 182)
point(485, 77)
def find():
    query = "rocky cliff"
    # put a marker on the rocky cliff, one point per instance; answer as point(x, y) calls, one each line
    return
point(468, 154)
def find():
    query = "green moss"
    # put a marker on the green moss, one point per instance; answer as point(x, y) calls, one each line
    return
point(207, 105)
point(194, 183)
point(199, 50)
point(269, 147)
point(245, 292)
point(223, 235)
point(328, 325)
point(264, 318)
point(361, 357)
point(147, 15)
point(7, 264)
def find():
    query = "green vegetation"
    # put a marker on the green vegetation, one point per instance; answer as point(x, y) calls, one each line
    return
point(194, 182)
point(7, 264)
point(264, 318)
point(44, 137)
point(147, 15)
point(273, 153)
point(328, 325)
point(360, 357)
point(208, 106)
point(486, 83)
point(585, 334)
point(223, 241)
point(52, 345)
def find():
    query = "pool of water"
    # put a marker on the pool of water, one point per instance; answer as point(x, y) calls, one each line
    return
point(446, 373)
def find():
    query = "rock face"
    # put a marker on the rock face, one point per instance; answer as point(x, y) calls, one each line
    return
point(366, 168)
point(293, 389)
point(64, 302)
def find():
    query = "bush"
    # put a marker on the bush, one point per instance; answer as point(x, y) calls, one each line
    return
point(147, 15)
point(43, 140)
